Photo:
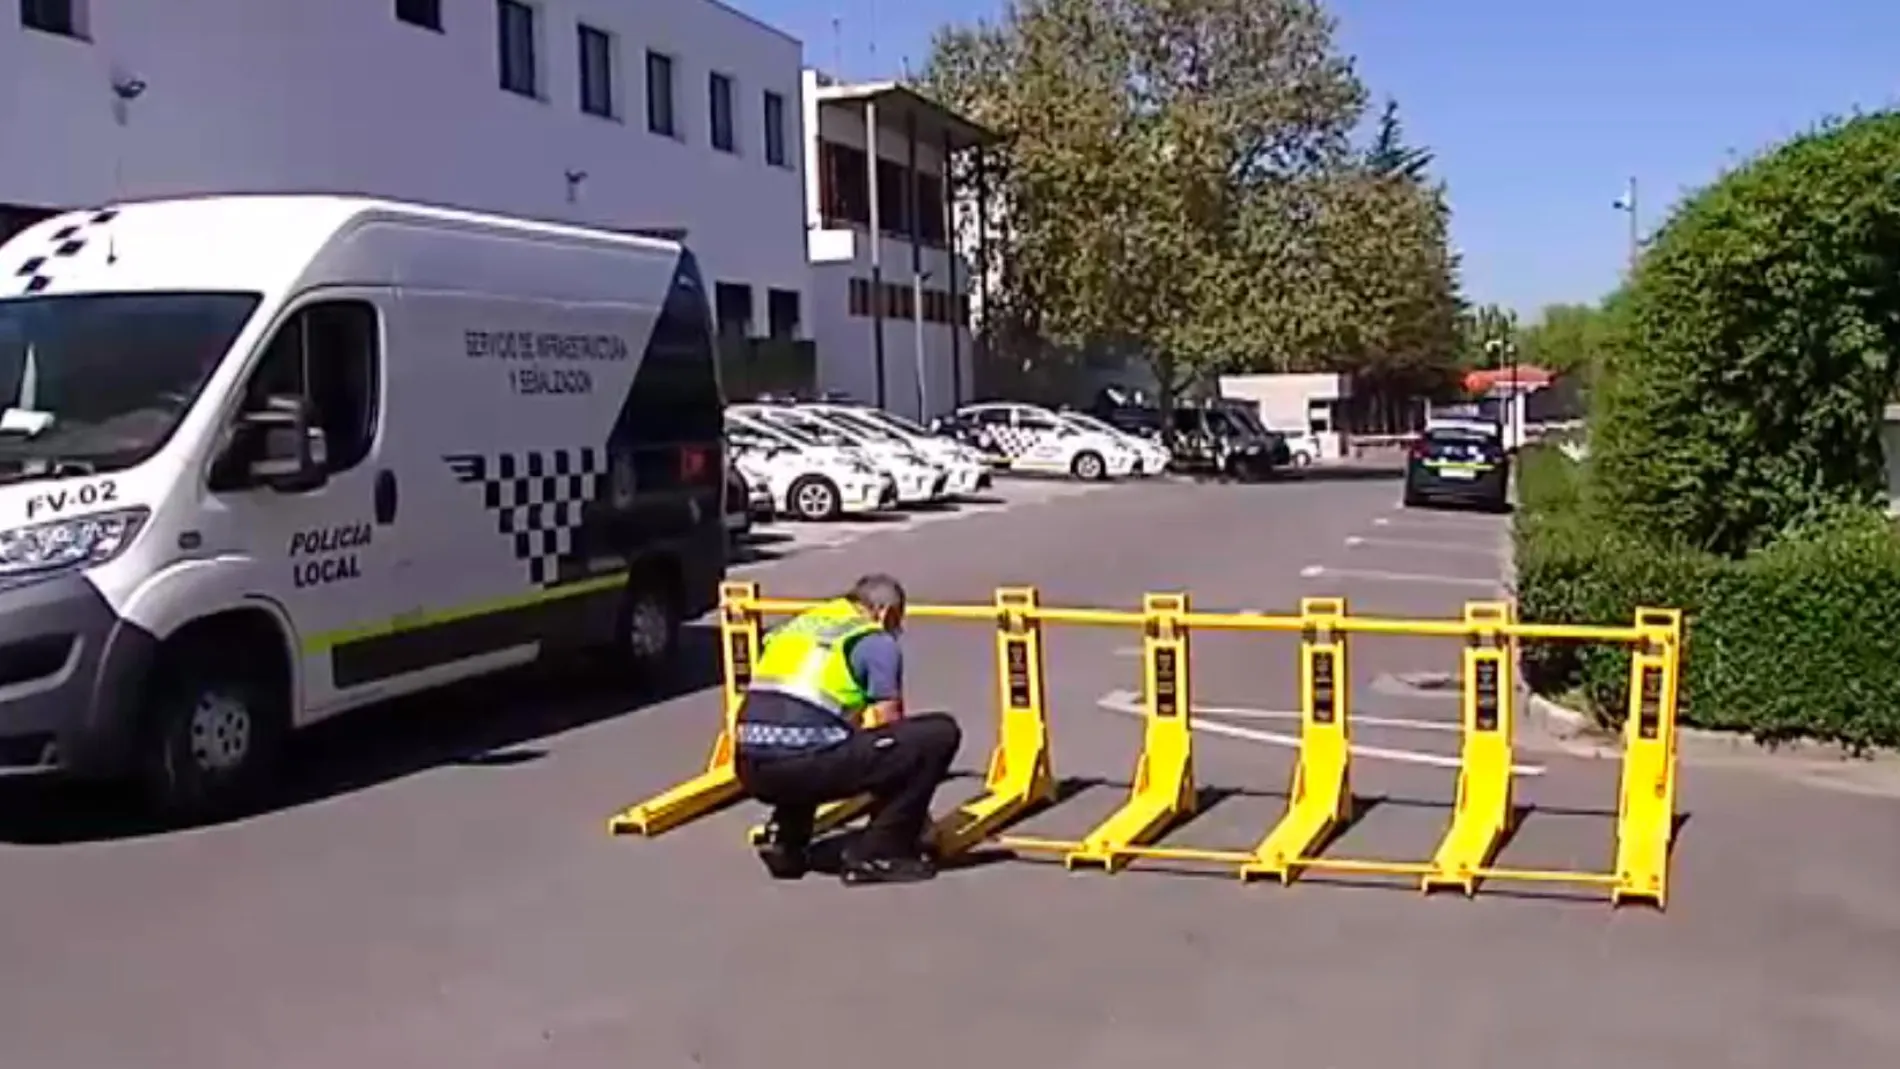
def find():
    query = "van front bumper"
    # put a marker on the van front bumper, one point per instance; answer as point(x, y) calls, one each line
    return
point(70, 674)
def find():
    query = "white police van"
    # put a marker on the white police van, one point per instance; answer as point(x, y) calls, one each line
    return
point(264, 459)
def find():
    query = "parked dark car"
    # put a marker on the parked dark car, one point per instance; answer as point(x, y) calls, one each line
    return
point(1217, 439)
point(1458, 465)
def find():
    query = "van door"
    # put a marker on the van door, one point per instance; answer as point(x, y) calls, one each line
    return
point(330, 556)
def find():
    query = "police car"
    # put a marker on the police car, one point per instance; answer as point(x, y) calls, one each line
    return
point(964, 469)
point(807, 479)
point(1458, 462)
point(1151, 457)
point(1033, 439)
point(918, 482)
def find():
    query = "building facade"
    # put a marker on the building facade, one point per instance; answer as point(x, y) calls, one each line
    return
point(668, 115)
point(890, 293)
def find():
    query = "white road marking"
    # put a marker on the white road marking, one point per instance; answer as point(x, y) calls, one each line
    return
point(1128, 703)
point(1356, 541)
point(1314, 570)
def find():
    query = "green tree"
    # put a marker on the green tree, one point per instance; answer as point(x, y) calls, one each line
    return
point(1748, 360)
point(1565, 338)
point(1165, 182)
point(1391, 154)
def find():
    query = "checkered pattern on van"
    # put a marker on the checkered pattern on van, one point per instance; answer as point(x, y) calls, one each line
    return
point(538, 498)
point(40, 269)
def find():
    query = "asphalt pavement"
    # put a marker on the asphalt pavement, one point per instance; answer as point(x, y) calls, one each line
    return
point(438, 888)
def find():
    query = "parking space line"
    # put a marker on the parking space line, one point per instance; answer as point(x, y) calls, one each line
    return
point(1122, 701)
point(1355, 541)
point(1314, 571)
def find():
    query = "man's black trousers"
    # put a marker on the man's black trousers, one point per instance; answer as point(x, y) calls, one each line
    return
point(899, 765)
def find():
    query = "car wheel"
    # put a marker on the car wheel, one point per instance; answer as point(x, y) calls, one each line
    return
point(1302, 460)
point(1088, 466)
point(814, 498)
point(1413, 499)
point(214, 726)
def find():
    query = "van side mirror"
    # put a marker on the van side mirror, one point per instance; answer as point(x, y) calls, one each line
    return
point(274, 446)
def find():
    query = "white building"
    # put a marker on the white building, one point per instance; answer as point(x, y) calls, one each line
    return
point(890, 314)
point(656, 114)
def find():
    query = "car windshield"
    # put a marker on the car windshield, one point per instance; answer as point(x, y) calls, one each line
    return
point(851, 420)
point(1248, 421)
point(903, 425)
point(774, 431)
point(1083, 422)
point(809, 427)
point(100, 381)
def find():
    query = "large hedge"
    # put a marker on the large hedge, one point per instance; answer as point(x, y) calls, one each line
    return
point(1748, 360)
point(1798, 640)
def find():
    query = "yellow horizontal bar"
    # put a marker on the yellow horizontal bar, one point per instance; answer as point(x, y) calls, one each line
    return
point(1185, 853)
point(1037, 846)
point(1604, 879)
point(1084, 617)
point(1368, 865)
point(1577, 632)
point(1227, 621)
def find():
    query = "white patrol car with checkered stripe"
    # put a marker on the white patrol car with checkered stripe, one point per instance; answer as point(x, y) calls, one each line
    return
point(809, 481)
point(1034, 439)
point(919, 481)
point(264, 459)
point(964, 470)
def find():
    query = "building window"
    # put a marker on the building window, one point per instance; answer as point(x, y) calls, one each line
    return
point(63, 17)
point(660, 116)
point(733, 304)
point(597, 72)
point(930, 209)
point(893, 197)
point(844, 191)
point(860, 296)
point(781, 313)
point(719, 106)
point(516, 32)
point(774, 129)
point(424, 13)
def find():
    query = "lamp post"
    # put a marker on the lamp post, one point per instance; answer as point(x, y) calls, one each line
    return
point(1627, 205)
point(1504, 353)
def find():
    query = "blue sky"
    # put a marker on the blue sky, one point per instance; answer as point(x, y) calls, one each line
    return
point(1539, 110)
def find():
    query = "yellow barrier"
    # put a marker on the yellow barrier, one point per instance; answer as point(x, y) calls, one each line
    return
point(718, 786)
point(1320, 799)
point(1320, 802)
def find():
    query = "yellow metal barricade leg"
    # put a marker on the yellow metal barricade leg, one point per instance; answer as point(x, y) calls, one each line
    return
point(1321, 796)
point(719, 784)
point(1163, 790)
point(1646, 806)
point(1483, 810)
point(1021, 774)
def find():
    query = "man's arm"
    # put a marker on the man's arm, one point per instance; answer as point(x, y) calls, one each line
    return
point(878, 663)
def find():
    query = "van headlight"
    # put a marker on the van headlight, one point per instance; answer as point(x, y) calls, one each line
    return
point(78, 542)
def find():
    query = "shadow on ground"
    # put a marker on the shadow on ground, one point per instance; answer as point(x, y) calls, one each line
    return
point(493, 722)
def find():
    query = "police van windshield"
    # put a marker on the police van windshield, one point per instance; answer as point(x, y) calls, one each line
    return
point(98, 382)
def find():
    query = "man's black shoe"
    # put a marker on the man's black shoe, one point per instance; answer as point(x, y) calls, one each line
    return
point(784, 856)
point(887, 870)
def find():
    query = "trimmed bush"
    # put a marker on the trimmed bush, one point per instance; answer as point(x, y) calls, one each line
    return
point(1800, 640)
point(1747, 361)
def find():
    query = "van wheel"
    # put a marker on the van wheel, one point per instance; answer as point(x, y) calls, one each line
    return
point(815, 498)
point(647, 635)
point(1302, 459)
point(214, 728)
point(1088, 466)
